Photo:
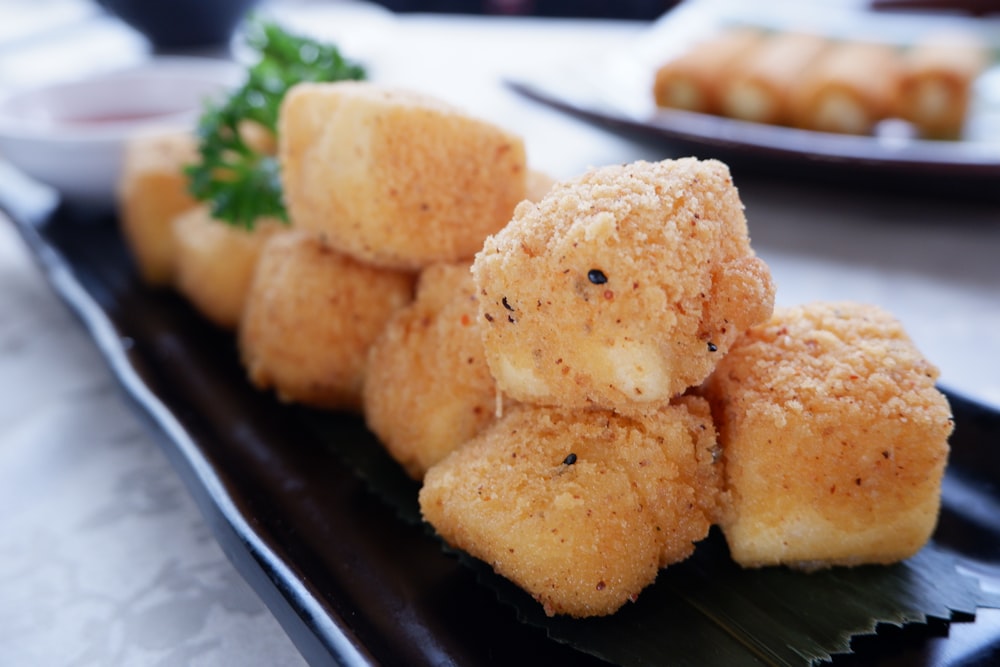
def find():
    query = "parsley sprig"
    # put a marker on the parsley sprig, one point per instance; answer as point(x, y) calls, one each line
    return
point(240, 183)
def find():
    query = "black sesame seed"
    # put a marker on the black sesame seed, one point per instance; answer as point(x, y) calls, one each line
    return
point(712, 347)
point(570, 459)
point(597, 276)
point(505, 304)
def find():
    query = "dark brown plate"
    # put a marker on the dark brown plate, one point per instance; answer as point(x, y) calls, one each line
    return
point(349, 580)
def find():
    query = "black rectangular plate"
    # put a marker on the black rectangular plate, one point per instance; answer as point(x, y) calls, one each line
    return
point(349, 580)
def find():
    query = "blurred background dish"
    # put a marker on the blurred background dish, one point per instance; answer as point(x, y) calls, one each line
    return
point(628, 92)
point(70, 135)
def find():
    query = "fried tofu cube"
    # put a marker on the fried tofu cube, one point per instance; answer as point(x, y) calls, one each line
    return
point(153, 190)
point(310, 317)
point(834, 439)
point(620, 287)
point(215, 262)
point(580, 508)
point(428, 389)
point(395, 178)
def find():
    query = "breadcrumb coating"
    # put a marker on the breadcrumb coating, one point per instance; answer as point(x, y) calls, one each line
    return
point(311, 315)
point(623, 286)
point(834, 439)
point(214, 262)
point(395, 178)
point(152, 191)
point(581, 508)
point(428, 389)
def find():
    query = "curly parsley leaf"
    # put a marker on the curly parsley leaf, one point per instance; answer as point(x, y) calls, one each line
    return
point(239, 181)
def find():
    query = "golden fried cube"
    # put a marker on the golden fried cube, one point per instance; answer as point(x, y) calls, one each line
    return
point(151, 193)
point(215, 262)
point(580, 508)
point(834, 439)
point(395, 178)
point(311, 315)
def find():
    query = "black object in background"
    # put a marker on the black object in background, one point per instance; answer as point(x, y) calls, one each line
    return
point(181, 24)
point(625, 9)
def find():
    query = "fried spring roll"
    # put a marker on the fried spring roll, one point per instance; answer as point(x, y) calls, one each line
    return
point(938, 73)
point(691, 81)
point(849, 89)
point(759, 88)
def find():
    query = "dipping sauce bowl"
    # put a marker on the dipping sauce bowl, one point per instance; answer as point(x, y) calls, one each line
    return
point(71, 135)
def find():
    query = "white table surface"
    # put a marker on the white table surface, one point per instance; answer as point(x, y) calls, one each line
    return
point(104, 558)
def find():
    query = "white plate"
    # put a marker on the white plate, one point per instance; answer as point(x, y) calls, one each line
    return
point(71, 135)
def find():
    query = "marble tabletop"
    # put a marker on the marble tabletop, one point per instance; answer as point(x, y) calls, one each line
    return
point(104, 558)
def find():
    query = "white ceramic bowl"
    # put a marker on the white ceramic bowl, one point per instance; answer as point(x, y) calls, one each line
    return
point(71, 135)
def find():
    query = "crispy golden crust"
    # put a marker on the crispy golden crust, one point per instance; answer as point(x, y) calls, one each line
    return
point(850, 88)
point(151, 193)
point(214, 262)
point(537, 185)
point(691, 80)
point(395, 178)
point(760, 86)
point(428, 389)
point(584, 534)
point(938, 74)
point(834, 439)
point(311, 315)
point(623, 286)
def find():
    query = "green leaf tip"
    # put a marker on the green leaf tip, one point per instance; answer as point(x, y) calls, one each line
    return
point(239, 180)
